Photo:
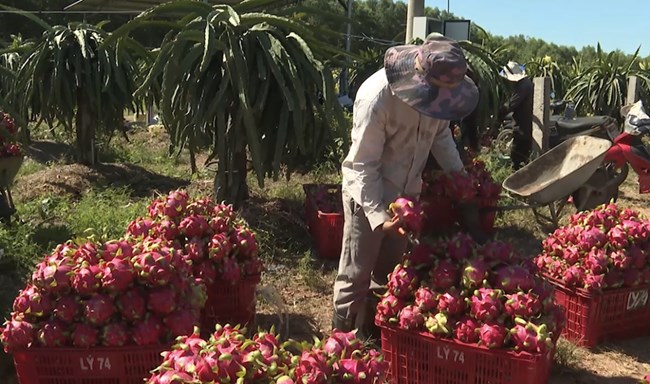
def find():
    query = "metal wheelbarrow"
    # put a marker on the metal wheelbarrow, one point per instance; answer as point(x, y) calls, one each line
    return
point(552, 178)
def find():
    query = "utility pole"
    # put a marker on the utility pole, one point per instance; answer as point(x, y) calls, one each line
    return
point(343, 83)
point(415, 9)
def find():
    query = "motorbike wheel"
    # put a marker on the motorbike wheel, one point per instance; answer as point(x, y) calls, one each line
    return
point(503, 143)
point(609, 178)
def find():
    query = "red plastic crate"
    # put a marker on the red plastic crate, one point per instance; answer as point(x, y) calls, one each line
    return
point(418, 358)
point(616, 314)
point(325, 228)
point(230, 303)
point(488, 216)
point(125, 365)
point(440, 215)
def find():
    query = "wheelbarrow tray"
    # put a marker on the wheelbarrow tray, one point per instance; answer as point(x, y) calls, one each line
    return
point(559, 172)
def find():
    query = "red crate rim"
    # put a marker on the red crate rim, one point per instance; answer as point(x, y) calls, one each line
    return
point(592, 294)
point(98, 349)
point(501, 352)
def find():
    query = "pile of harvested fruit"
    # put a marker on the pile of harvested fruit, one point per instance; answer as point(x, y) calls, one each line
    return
point(605, 248)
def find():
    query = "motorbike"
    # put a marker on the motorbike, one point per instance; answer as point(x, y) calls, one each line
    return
point(627, 149)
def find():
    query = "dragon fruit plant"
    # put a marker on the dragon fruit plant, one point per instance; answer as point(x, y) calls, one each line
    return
point(121, 292)
point(228, 356)
point(476, 294)
point(215, 242)
point(9, 146)
point(605, 248)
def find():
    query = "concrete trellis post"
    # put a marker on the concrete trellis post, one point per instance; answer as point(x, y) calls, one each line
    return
point(541, 113)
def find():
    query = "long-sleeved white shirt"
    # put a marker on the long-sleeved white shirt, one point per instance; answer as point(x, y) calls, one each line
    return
point(391, 143)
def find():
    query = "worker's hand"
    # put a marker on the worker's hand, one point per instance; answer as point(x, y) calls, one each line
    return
point(394, 227)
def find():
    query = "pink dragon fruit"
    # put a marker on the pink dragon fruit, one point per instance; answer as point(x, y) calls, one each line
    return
point(17, 334)
point(492, 335)
point(87, 280)
point(573, 276)
point(55, 276)
point(467, 330)
point(410, 213)
point(618, 238)
point(194, 226)
point(220, 224)
point(572, 254)
point(451, 302)
point(426, 299)
point(116, 248)
point(166, 229)
point(220, 247)
point(411, 318)
point(244, 243)
point(173, 205)
point(88, 253)
point(353, 370)
point(147, 332)
point(154, 268)
point(140, 227)
point(313, 367)
point(620, 259)
point(341, 344)
point(638, 257)
point(511, 279)
point(445, 275)
point(474, 274)
point(99, 309)
point(402, 281)
point(388, 309)
point(636, 230)
point(68, 309)
point(118, 275)
point(531, 338)
point(496, 252)
point(162, 300)
point(206, 271)
point(230, 270)
point(460, 247)
point(597, 261)
point(421, 256)
point(486, 304)
point(632, 278)
point(203, 206)
point(195, 249)
point(438, 325)
point(33, 303)
point(114, 335)
point(180, 322)
point(170, 377)
point(592, 238)
point(85, 336)
point(132, 305)
point(594, 282)
point(53, 334)
point(523, 305)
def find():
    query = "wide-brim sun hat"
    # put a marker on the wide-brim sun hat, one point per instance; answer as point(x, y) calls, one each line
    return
point(513, 71)
point(431, 78)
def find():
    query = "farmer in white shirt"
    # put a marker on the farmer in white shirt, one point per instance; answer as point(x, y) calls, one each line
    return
point(401, 114)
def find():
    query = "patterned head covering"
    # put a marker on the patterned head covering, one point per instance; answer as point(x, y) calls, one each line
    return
point(431, 78)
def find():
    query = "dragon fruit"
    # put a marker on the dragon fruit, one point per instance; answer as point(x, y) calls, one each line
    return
point(85, 336)
point(618, 238)
point(451, 302)
point(594, 282)
point(421, 256)
point(426, 299)
point(132, 305)
point(54, 277)
point(17, 334)
point(638, 257)
point(592, 238)
point(460, 247)
point(530, 338)
point(206, 271)
point(162, 300)
point(166, 229)
point(116, 248)
point(31, 302)
point(219, 225)
point(597, 261)
point(99, 309)
point(353, 370)
point(620, 259)
point(313, 367)
point(410, 213)
point(172, 205)
point(114, 335)
point(202, 206)
point(411, 318)
point(445, 275)
point(522, 304)
point(140, 227)
point(438, 325)
point(230, 270)
point(486, 304)
point(402, 281)
point(194, 226)
point(53, 334)
point(87, 279)
point(341, 343)
point(147, 332)
point(632, 278)
point(68, 309)
point(170, 377)
point(88, 253)
point(388, 309)
point(467, 330)
point(571, 254)
point(154, 268)
point(496, 252)
point(180, 322)
point(511, 279)
point(474, 274)
point(244, 243)
point(118, 275)
point(573, 276)
point(195, 249)
point(492, 335)
point(220, 247)
point(636, 230)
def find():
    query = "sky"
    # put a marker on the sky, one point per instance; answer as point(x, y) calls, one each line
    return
point(620, 24)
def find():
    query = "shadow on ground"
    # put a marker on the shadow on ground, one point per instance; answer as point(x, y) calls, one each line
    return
point(580, 376)
point(45, 151)
point(638, 348)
